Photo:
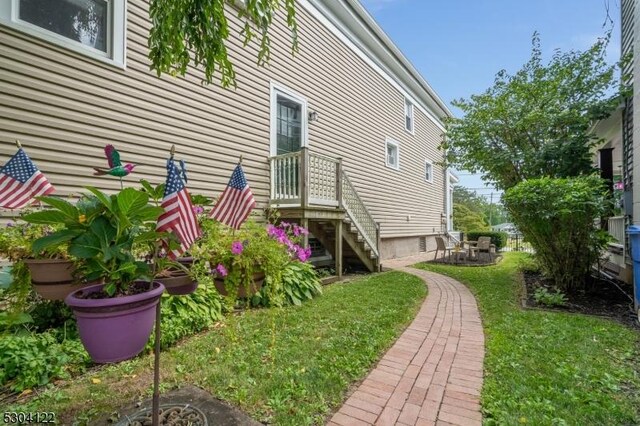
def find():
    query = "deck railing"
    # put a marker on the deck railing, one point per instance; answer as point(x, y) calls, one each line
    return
point(616, 228)
point(359, 215)
point(307, 179)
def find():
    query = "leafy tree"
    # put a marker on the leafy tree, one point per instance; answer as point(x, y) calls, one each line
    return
point(466, 220)
point(535, 123)
point(490, 213)
point(186, 31)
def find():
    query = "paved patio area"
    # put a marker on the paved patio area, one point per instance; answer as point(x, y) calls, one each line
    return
point(433, 373)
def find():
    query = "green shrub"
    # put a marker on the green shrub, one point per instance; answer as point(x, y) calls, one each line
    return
point(299, 283)
point(28, 360)
point(497, 238)
point(542, 296)
point(185, 315)
point(558, 216)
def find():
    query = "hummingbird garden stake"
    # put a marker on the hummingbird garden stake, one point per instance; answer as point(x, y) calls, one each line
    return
point(115, 165)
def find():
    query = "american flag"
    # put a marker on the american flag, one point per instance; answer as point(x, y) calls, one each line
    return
point(236, 202)
point(178, 216)
point(21, 181)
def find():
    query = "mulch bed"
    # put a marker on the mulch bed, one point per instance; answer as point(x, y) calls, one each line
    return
point(483, 260)
point(602, 299)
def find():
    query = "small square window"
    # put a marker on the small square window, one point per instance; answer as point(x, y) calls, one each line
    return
point(392, 154)
point(408, 115)
point(428, 171)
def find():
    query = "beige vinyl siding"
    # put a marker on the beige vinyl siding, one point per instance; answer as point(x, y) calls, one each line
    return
point(65, 107)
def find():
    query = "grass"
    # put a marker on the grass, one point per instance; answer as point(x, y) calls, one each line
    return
point(289, 366)
point(549, 368)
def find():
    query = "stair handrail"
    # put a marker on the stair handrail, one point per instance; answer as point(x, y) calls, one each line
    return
point(363, 221)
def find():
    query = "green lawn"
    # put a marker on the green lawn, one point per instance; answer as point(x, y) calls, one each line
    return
point(546, 368)
point(290, 366)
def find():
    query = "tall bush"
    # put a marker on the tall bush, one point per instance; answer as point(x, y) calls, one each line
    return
point(558, 217)
point(499, 239)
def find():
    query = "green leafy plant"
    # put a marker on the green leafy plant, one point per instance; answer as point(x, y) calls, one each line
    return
point(236, 256)
point(557, 216)
point(299, 283)
point(497, 238)
point(16, 240)
point(29, 360)
point(197, 31)
point(543, 296)
point(100, 231)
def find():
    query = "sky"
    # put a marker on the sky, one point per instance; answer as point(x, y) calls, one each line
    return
point(459, 45)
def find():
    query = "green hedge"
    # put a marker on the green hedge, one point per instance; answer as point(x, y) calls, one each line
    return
point(497, 238)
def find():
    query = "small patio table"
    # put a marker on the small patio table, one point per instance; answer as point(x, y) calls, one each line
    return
point(473, 249)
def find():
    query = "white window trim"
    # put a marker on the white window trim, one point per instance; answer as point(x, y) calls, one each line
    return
point(411, 112)
point(387, 142)
point(279, 89)
point(430, 164)
point(117, 44)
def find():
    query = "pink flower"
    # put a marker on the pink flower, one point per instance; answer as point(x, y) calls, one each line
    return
point(221, 270)
point(303, 254)
point(237, 247)
point(197, 209)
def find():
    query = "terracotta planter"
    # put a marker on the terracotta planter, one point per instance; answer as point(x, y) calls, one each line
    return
point(58, 291)
point(258, 280)
point(117, 328)
point(50, 270)
point(178, 283)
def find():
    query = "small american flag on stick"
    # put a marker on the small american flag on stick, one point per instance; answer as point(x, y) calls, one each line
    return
point(21, 181)
point(236, 202)
point(178, 216)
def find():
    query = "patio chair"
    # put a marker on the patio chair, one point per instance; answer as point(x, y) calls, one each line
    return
point(485, 246)
point(441, 245)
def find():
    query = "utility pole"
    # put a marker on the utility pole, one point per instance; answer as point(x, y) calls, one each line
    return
point(491, 209)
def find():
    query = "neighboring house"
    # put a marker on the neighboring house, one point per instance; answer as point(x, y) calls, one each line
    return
point(619, 156)
point(343, 137)
point(507, 227)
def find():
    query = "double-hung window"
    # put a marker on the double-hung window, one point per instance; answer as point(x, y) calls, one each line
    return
point(94, 28)
point(392, 154)
point(428, 171)
point(408, 115)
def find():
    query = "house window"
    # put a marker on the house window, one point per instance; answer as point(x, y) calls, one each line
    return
point(428, 171)
point(93, 27)
point(288, 121)
point(408, 115)
point(393, 154)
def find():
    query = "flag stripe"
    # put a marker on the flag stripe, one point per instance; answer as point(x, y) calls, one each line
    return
point(236, 202)
point(21, 181)
point(178, 217)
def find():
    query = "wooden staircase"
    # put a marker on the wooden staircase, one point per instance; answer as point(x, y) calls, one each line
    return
point(314, 190)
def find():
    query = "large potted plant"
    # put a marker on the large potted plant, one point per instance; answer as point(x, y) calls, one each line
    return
point(114, 318)
point(241, 259)
point(51, 270)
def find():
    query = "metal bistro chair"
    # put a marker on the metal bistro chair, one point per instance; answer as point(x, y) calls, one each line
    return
point(441, 245)
point(485, 246)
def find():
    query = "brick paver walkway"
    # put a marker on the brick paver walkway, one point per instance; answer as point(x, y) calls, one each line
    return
point(433, 373)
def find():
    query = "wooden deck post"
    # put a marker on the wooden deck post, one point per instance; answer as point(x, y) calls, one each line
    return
point(379, 266)
point(304, 178)
point(339, 183)
point(304, 222)
point(338, 250)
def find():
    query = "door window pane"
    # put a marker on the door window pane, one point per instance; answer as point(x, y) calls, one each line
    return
point(84, 21)
point(289, 125)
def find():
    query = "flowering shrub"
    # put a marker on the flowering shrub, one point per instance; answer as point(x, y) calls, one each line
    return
point(290, 235)
point(238, 258)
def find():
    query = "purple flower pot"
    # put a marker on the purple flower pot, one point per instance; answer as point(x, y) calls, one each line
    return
point(117, 328)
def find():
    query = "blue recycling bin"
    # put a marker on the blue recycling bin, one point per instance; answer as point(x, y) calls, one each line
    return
point(634, 235)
